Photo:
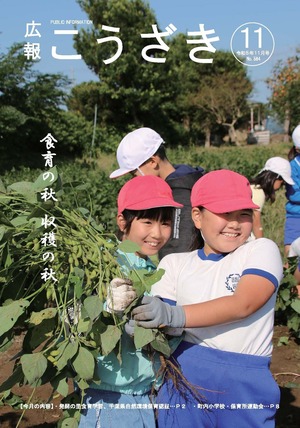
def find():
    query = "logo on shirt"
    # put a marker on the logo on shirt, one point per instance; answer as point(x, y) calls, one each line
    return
point(232, 281)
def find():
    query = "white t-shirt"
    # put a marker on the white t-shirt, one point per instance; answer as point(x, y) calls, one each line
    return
point(295, 248)
point(258, 196)
point(194, 277)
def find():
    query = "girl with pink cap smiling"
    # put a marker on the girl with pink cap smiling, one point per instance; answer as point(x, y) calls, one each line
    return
point(223, 294)
point(122, 399)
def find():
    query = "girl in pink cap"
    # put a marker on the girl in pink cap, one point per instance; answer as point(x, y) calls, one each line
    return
point(122, 399)
point(223, 294)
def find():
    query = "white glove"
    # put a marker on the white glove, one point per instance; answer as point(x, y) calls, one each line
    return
point(120, 294)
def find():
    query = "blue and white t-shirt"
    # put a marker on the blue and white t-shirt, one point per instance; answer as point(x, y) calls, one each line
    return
point(194, 278)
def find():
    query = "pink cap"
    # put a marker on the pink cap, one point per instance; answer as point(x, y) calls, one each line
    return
point(222, 191)
point(145, 192)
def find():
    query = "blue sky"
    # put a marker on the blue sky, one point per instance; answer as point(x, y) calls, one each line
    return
point(224, 16)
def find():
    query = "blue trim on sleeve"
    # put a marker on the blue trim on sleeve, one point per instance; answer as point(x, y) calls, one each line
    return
point(262, 273)
point(169, 301)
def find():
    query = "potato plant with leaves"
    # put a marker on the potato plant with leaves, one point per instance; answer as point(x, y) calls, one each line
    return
point(63, 316)
point(288, 303)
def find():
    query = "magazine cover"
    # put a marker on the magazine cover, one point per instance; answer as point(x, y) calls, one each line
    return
point(149, 226)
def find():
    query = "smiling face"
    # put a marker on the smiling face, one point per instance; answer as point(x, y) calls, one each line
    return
point(149, 234)
point(223, 233)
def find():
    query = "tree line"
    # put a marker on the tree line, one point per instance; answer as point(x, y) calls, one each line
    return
point(185, 101)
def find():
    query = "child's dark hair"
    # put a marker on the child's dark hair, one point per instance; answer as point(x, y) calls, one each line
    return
point(292, 153)
point(163, 214)
point(160, 152)
point(197, 240)
point(265, 180)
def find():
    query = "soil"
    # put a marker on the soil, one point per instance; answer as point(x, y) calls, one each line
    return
point(285, 368)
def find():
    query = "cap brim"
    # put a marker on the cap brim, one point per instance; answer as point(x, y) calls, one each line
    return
point(119, 172)
point(288, 180)
point(229, 206)
point(155, 203)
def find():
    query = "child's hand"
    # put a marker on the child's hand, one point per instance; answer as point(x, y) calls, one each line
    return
point(120, 294)
point(154, 313)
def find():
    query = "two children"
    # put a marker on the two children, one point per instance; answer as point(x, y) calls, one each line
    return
point(223, 293)
point(276, 172)
point(145, 213)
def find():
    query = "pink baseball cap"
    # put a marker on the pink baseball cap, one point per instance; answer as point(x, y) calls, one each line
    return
point(222, 191)
point(145, 192)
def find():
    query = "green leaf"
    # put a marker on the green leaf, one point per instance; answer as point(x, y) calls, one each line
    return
point(152, 278)
point(293, 322)
point(33, 366)
point(93, 306)
point(128, 246)
point(161, 344)
point(68, 353)
point(16, 377)
point(83, 325)
point(82, 384)
point(40, 183)
point(9, 314)
point(6, 341)
point(285, 294)
point(292, 385)
point(26, 189)
point(12, 400)
point(20, 220)
point(69, 423)
point(142, 336)
point(5, 221)
point(296, 305)
point(2, 187)
point(109, 338)
point(38, 334)
point(37, 317)
point(283, 340)
point(84, 364)
point(60, 384)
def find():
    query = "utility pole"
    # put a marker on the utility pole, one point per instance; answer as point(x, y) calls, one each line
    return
point(94, 129)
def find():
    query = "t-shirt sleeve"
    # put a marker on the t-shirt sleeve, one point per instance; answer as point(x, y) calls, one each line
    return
point(258, 197)
point(264, 260)
point(166, 286)
point(295, 248)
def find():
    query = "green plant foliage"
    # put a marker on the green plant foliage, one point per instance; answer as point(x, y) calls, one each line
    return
point(63, 317)
point(288, 303)
point(86, 184)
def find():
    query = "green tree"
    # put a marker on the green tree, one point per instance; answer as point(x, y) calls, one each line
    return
point(285, 86)
point(131, 91)
point(210, 95)
point(33, 104)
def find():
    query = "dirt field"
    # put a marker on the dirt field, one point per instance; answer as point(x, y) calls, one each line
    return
point(285, 368)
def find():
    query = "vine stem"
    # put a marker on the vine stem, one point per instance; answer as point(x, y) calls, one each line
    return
point(287, 374)
point(28, 402)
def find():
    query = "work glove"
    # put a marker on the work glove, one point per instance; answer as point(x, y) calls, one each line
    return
point(154, 313)
point(129, 327)
point(119, 295)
